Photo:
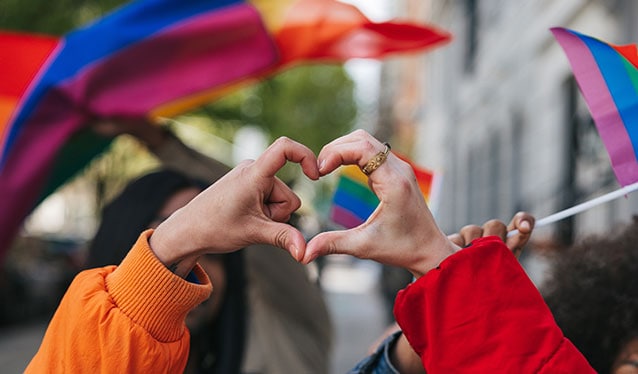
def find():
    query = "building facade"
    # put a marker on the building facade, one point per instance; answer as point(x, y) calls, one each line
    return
point(500, 115)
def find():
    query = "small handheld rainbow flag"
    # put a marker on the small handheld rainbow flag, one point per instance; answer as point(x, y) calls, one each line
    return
point(353, 201)
point(608, 78)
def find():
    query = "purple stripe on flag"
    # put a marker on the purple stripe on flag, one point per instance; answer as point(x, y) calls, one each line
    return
point(27, 168)
point(344, 217)
point(205, 51)
point(601, 105)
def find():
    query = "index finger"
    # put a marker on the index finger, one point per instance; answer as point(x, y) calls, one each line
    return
point(285, 149)
point(355, 148)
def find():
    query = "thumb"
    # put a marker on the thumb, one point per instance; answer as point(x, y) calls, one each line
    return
point(333, 242)
point(283, 236)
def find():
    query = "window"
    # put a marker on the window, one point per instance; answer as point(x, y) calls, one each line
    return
point(472, 19)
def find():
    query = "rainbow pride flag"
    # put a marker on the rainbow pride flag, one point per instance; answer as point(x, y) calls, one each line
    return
point(608, 78)
point(353, 200)
point(154, 58)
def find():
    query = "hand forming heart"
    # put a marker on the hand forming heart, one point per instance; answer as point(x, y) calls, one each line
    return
point(251, 205)
point(401, 231)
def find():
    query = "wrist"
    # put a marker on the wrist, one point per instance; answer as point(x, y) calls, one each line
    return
point(437, 249)
point(171, 254)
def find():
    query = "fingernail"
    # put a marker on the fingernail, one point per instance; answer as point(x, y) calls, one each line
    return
point(322, 163)
point(525, 225)
point(295, 251)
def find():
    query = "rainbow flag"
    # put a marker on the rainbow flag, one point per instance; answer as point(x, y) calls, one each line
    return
point(158, 58)
point(608, 78)
point(353, 200)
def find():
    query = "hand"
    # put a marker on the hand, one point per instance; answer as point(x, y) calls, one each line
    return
point(401, 231)
point(522, 221)
point(248, 205)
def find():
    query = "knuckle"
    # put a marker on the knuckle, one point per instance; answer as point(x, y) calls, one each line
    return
point(281, 141)
point(281, 239)
point(494, 224)
point(406, 169)
point(470, 228)
point(457, 239)
point(521, 215)
point(404, 186)
point(332, 248)
point(370, 147)
point(359, 133)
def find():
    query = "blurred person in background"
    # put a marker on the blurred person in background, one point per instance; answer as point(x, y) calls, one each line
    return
point(262, 295)
point(592, 290)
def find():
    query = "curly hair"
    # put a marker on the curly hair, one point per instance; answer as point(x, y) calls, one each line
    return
point(592, 290)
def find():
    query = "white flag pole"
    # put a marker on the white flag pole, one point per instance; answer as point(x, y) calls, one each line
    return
point(582, 207)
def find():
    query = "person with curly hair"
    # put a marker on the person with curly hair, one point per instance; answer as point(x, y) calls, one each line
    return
point(592, 290)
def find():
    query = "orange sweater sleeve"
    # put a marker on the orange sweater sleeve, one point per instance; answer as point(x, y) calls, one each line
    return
point(128, 318)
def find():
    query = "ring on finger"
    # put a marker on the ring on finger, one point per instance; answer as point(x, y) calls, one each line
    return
point(377, 160)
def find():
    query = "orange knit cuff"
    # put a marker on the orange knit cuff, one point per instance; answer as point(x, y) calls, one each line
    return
point(151, 295)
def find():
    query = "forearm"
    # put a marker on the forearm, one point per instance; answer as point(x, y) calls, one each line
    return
point(404, 358)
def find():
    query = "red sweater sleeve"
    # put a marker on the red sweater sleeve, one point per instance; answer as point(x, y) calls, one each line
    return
point(128, 319)
point(478, 312)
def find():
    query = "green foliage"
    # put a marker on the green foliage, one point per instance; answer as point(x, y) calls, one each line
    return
point(311, 104)
point(125, 160)
point(52, 17)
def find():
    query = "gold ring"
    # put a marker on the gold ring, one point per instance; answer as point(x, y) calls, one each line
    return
point(377, 160)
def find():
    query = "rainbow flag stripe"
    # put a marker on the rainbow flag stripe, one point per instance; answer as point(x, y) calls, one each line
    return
point(608, 78)
point(353, 200)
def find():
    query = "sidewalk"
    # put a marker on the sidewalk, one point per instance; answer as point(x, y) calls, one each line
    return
point(351, 289)
point(18, 344)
